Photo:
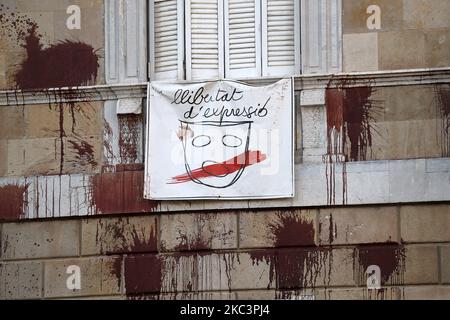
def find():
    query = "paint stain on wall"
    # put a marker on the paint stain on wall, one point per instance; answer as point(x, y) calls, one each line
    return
point(143, 274)
point(64, 64)
point(390, 258)
point(13, 201)
point(120, 193)
point(85, 154)
point(115, 236)
point(299, 268)
point(443, 109)
point(351, 126)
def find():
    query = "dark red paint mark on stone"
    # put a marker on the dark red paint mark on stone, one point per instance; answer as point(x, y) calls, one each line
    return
point(351, 125)
point(290, 230)
point(143, 274)
point(13, 200)
point(120, 193)
point(64, 64)
point(85, 152)
point(139, 242)
point(390, 258)
point(295, 269)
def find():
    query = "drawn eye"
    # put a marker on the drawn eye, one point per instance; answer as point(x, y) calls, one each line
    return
point(231, 141)
point(201, 141)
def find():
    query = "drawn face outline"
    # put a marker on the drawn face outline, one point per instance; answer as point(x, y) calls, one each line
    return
point(186, 126)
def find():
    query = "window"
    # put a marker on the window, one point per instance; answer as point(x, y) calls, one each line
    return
point(208, 39)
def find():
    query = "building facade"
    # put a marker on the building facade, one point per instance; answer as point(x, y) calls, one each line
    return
point(371, 214)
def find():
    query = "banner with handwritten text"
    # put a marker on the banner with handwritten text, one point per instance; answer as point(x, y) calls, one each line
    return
point(219, 140)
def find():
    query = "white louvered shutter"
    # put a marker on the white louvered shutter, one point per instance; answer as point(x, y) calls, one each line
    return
point(166, 39)
point(281, 37)
point(204, 39)
point(242, 38)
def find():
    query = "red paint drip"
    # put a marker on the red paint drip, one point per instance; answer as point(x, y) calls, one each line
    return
point(351, 116)
point(216, 170)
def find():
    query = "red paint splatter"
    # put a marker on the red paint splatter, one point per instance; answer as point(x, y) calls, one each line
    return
point(13, 201)
point(390, 258)
point(85, 152)
point(299, 268)
point(351, 116)
point(443, 108)
point(120, 193)
point(114, 237)
point(65, 64)
point(225, 168)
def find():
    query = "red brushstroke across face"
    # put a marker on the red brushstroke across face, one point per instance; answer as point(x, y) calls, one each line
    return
point(13, 201)
point(222, 169)
point(64, 64)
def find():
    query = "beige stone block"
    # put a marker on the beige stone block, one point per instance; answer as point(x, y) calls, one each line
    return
point(182, 272)
point(82, 154)
point(78, 120)
point(293, 269)
point(438, 44)
point(427, 293)
point(3, 157)
point(355, 15)
point(21, 280)
point(284, 228)
point(421, 265)
point(425, 223)
point(399, 265)
point(402, 103)
point(412, 139)
point(32, 240)
point(401, 50)
point(193, 232)
point(11, 122)
point(358, 225)
point(445, 264)
point(33, 157)
point(119, 235)
point(426, 14)
point(360, 52)
point(98, 276)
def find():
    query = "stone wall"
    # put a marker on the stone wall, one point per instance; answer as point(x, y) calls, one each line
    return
point(413, 34)
point(264, 254)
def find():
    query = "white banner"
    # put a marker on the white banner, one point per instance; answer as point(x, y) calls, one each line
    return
point(219, 140)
